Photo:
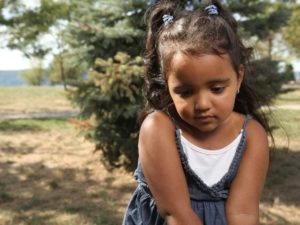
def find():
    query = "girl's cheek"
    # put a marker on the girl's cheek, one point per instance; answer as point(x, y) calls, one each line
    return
point(184, 110)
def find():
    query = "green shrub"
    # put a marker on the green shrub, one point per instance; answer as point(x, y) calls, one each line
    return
point(111, 99)
point(266, 78)
point(34, 76)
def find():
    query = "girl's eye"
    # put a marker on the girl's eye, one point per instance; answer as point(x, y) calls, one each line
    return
point(184, 93)
point(217, 89)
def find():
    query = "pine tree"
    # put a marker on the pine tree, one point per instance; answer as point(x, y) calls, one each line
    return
point(292, 31)
point(111, 36)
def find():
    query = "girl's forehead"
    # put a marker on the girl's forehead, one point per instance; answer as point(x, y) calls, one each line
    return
point(203, 68)
point(203, 62)
point(181, 56)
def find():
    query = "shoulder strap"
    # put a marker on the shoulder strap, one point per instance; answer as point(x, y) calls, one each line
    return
point(248, 118)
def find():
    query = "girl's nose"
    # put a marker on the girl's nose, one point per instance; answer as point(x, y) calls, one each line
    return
point(201, 103)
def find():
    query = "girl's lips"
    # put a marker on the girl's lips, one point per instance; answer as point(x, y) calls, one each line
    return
point(204, 118)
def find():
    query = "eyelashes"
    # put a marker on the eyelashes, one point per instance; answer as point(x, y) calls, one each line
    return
point(218, 89)
point(187, 92)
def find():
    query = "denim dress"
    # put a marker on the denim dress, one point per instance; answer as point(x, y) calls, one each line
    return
point(208, 202)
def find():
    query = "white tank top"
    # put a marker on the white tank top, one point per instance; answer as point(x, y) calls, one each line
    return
point(210, 165)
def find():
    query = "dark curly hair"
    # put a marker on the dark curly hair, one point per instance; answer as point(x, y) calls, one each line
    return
point(194, 33)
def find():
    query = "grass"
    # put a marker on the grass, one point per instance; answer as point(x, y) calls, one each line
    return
point(50, 175)
point(287, 128)
point(36, 125)
point(290, 95)
point(33, 99)
point(289, 120)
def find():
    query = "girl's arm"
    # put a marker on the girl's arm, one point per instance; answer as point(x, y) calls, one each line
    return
point(163, 171)
point(242, 206)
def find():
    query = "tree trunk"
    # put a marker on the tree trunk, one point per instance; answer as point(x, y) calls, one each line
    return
point(270, 44)
point(62, 72)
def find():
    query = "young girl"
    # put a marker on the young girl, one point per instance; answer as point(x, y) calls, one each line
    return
point(203, 149)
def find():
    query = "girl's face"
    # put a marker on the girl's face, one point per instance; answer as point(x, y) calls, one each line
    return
point(203, 89)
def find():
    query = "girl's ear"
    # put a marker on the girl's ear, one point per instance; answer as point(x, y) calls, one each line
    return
point(241, 75)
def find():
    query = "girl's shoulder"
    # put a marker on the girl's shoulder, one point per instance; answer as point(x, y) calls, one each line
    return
point(252, 126)
point(157, 138)
point(257, 146)
point(255, 131)
point(157, 121)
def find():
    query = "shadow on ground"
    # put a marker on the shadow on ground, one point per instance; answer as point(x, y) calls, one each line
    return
point(283, 182)
point(8, 148)
point(35, 193)
point(282, 186)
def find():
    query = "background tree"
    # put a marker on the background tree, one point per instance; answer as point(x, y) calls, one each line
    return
point(25, 26)
point(292, 32)
point(260, 23)
point(63, 70)
point(35, 76)
point(260, 20)
point(289, 72)
point(111, 37)
point(111, 99)
point(104, 28)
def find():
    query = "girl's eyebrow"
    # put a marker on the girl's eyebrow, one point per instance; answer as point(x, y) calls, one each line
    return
point(219, 81)
point(182, 86)
point(210, 82)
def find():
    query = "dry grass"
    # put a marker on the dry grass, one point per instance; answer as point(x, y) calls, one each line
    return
point(33, 99)
point(50, 175)
point(290, 95)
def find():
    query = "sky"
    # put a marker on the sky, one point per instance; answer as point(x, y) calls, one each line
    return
point(13, 60)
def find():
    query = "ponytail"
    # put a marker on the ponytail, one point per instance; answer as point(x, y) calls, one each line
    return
point(222, 12)
point(155, 85)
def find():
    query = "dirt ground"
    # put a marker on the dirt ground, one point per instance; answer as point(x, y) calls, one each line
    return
point(55, 177)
